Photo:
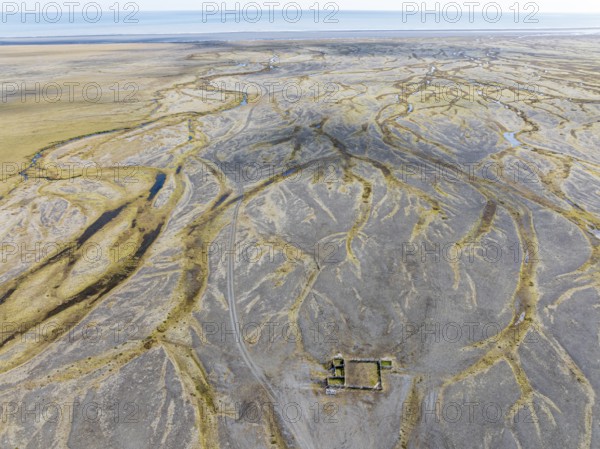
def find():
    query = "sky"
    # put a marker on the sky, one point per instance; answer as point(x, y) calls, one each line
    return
point(576, 6)
point(545, 6)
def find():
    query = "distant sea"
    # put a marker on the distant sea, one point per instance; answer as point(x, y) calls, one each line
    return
point(152, 23)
